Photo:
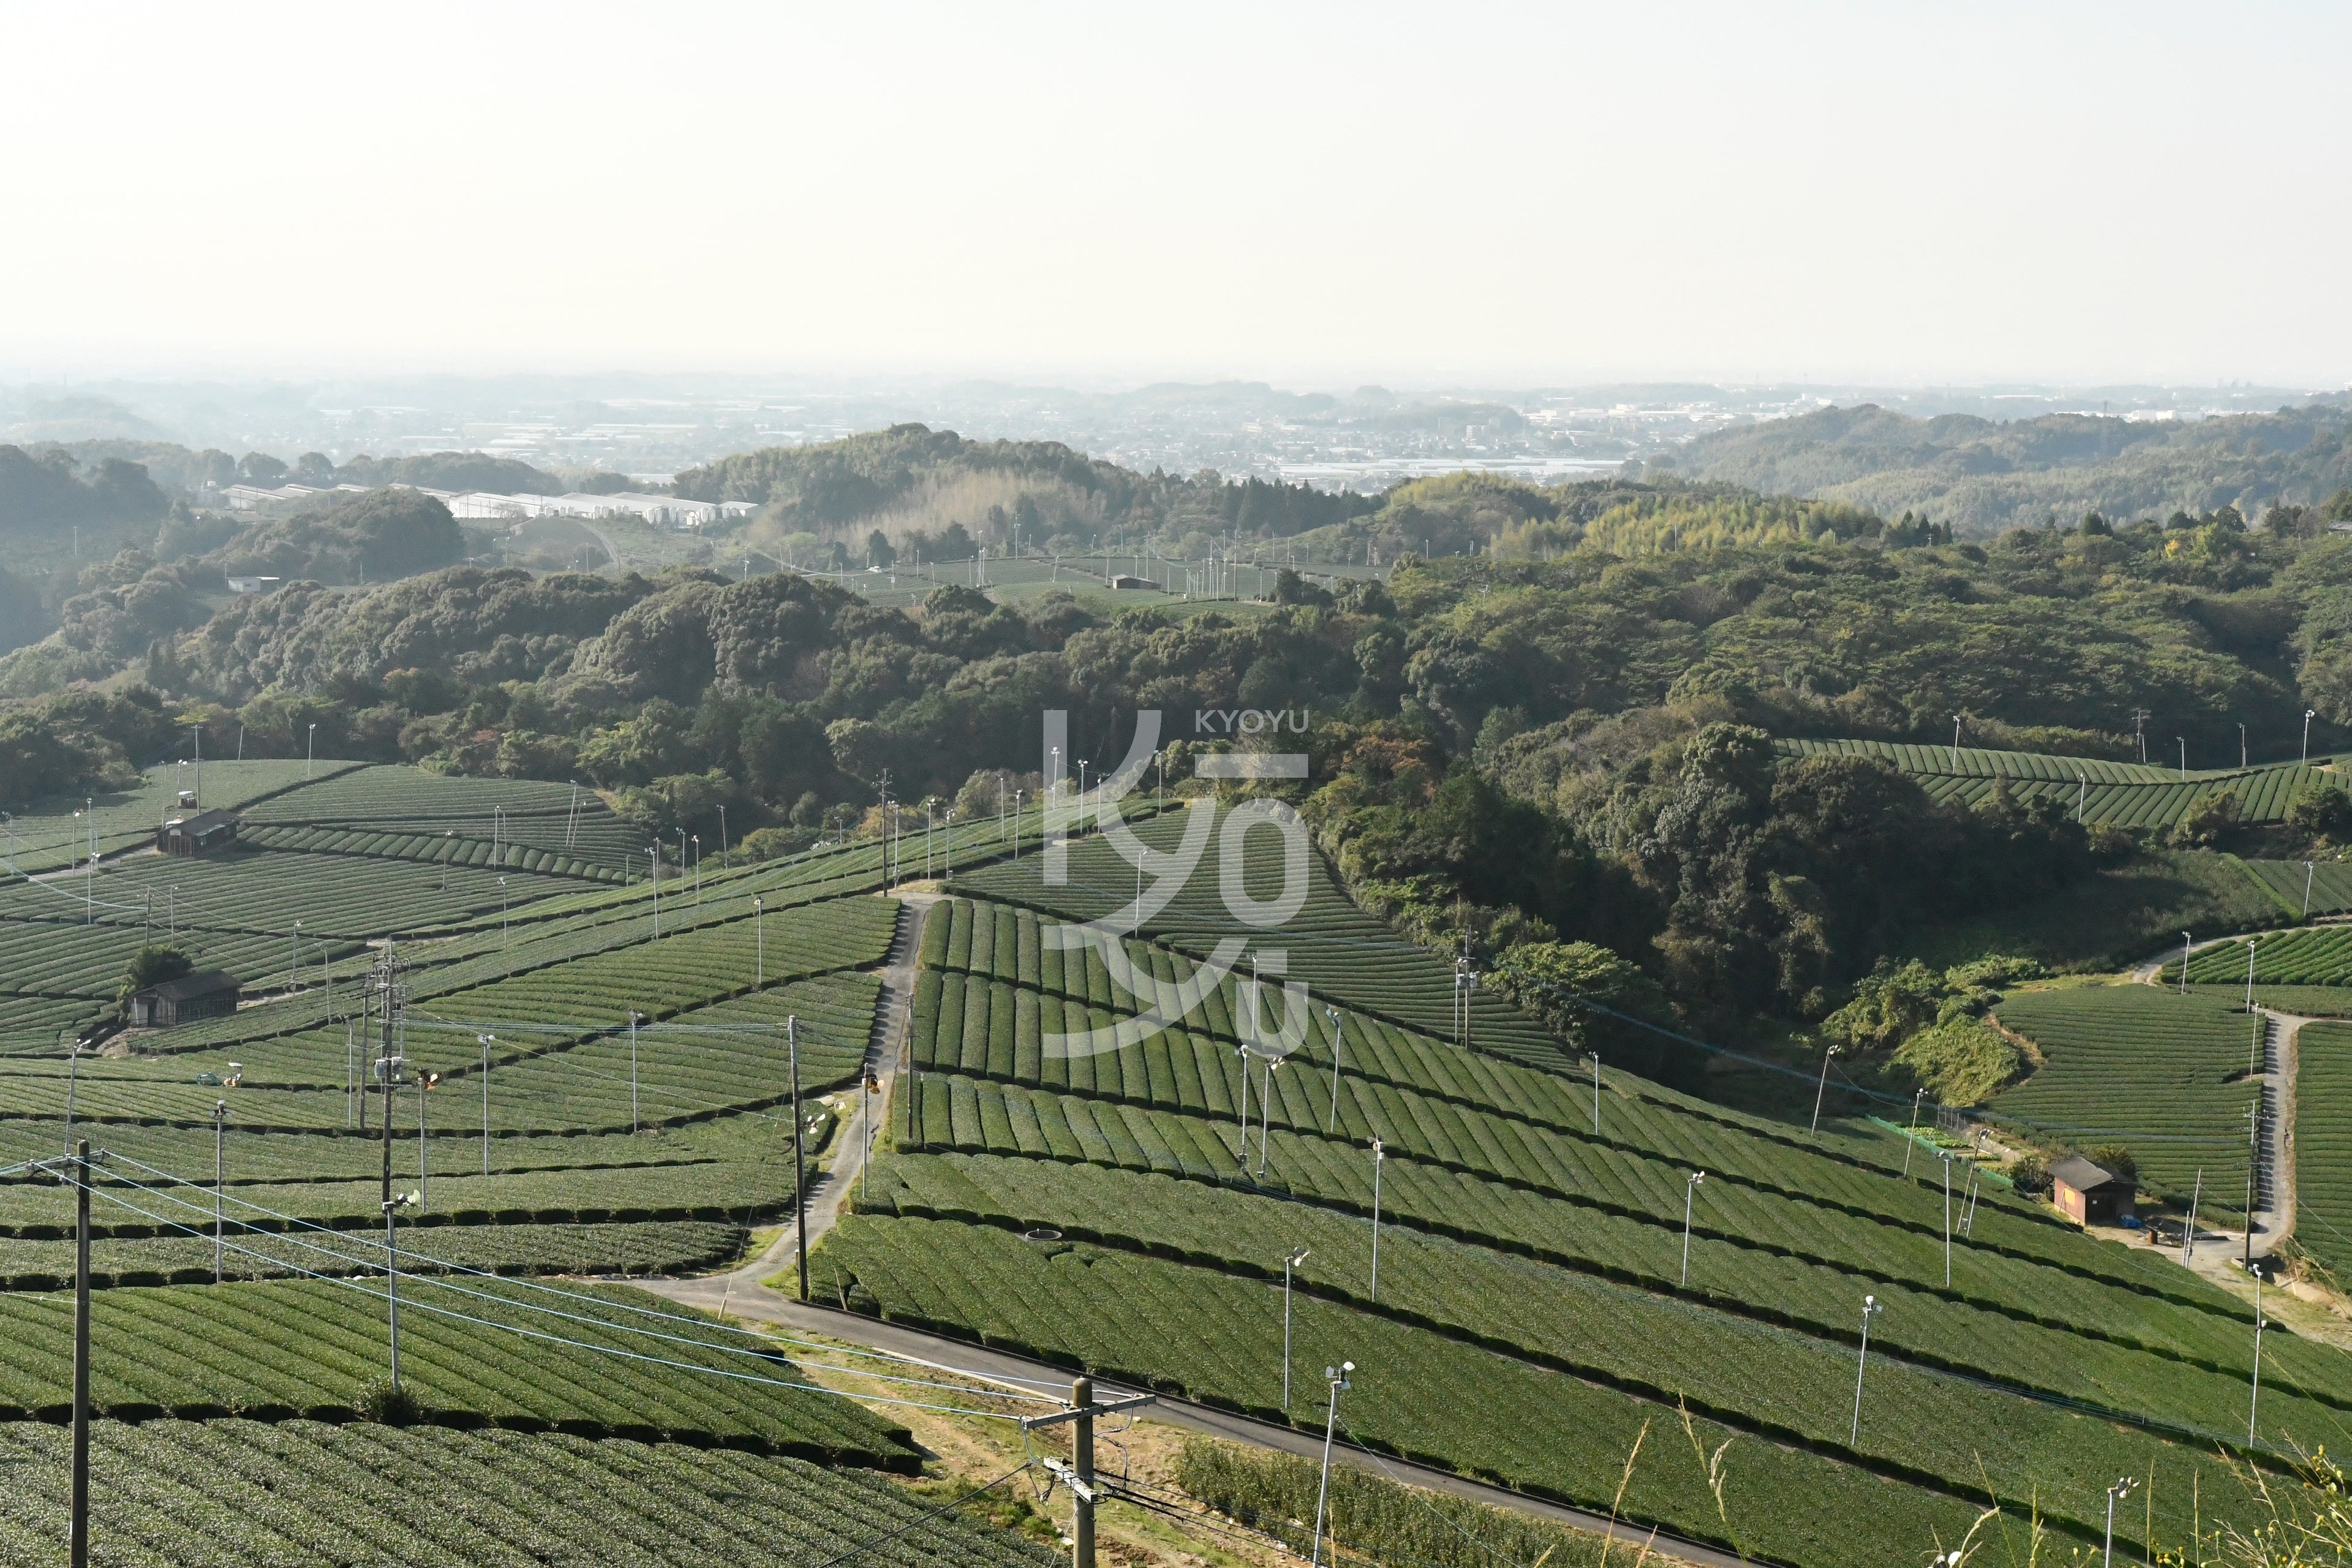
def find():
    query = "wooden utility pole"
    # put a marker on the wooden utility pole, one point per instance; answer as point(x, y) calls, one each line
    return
point(1082, 1460)
point(1079, 1474)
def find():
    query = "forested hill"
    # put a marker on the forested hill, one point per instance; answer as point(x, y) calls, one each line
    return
point(1980, 477)
point(909, 476)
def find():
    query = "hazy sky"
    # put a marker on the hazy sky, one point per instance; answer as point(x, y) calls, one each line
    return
point(1316, 195)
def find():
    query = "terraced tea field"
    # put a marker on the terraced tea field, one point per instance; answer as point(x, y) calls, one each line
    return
point(235, 1491)
point(1550, 1255)
point(2313, 957)
point(2136, 795)
point(2323, 1146)
point(515, 817)
point(53, 833)
point(2144, 1067)
point(631, 1116)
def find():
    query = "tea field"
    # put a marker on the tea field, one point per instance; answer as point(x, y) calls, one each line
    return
point(2140, 796)
point(2323, 1146)
point(1085, 1163)
point(2145, 1067)
point(611, 1070)
point(225, 1493)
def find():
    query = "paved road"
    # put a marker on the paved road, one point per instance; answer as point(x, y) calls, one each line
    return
point(757, 1303)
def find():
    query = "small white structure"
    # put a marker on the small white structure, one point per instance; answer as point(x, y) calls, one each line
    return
point(252, 584)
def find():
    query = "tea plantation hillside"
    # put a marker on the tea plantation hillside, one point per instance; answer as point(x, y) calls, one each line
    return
point(1085, 1163)
point(2136, 795)
point(595, 1079)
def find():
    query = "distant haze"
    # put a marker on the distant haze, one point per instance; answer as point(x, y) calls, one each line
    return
point(1308, 194)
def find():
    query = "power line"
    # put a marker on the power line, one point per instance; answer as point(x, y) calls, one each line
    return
point(615, 1351)
point(547, 1289)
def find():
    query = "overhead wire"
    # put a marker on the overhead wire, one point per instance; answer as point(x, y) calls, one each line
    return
point(429, 1280)
point(613, 1351)
point(870, 1544)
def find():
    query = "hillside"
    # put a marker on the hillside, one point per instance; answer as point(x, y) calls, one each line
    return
point(1111, 1204)
point(1980, 477)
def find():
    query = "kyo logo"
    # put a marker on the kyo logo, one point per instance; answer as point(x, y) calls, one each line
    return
point(1161, 877)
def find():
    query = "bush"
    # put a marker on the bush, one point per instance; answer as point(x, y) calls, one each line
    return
point(2321, 810)
point(1962, 1063)
point(2207, 822)
point(2116, 1160)
point(387, 1403)
point(152, 965)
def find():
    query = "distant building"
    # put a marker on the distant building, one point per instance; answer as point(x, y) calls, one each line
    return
point(252, 584)
point(1144, 583)
point(206, 994)
point(194, 835)
point(245, 497)
point(2088, 1194)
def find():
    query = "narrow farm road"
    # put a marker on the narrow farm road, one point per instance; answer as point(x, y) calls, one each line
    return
point(831, 1188)
point(2271, 1065)
point(2275, 1149)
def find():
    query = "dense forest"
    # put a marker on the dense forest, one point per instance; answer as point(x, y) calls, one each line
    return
point(1545, 722)
point(1980, 477)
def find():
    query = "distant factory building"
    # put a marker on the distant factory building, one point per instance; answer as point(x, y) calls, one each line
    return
point(1144, 585)
point(207, 993)
point(194, 835)
point(2088, 1195)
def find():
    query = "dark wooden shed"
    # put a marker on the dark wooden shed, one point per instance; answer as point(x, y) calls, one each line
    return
point(204, 994)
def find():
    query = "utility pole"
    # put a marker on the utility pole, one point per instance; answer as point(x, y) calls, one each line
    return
point(1079, 1474)
point(392, 1280)
point(1596, 1091)
point(1823, 1088)
point(2120, 1490)
point(799, 1161)
point(2184, 964)
point(1947, 1157)
point(1912, 1142)
point(2308, 714)
point(1870, 1308)
point(1292, 1261)
point(220, 1125)
point(1690, 1191)
point(2140, 716)
point(2189, 1237)
point(1082, 1461)
point(1338, 1378)
point(76, 1168)
point(486, 1041)
point(388, 1066)
point(1337, 1026)
point(1378, 1156)
point(633, 1071)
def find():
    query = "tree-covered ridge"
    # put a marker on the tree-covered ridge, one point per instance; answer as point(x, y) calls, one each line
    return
point(1043, 487)
point(1980, 477)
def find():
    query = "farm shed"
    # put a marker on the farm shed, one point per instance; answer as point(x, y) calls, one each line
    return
point(2088, 1194)
point(204, 994)
point(194, 835)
